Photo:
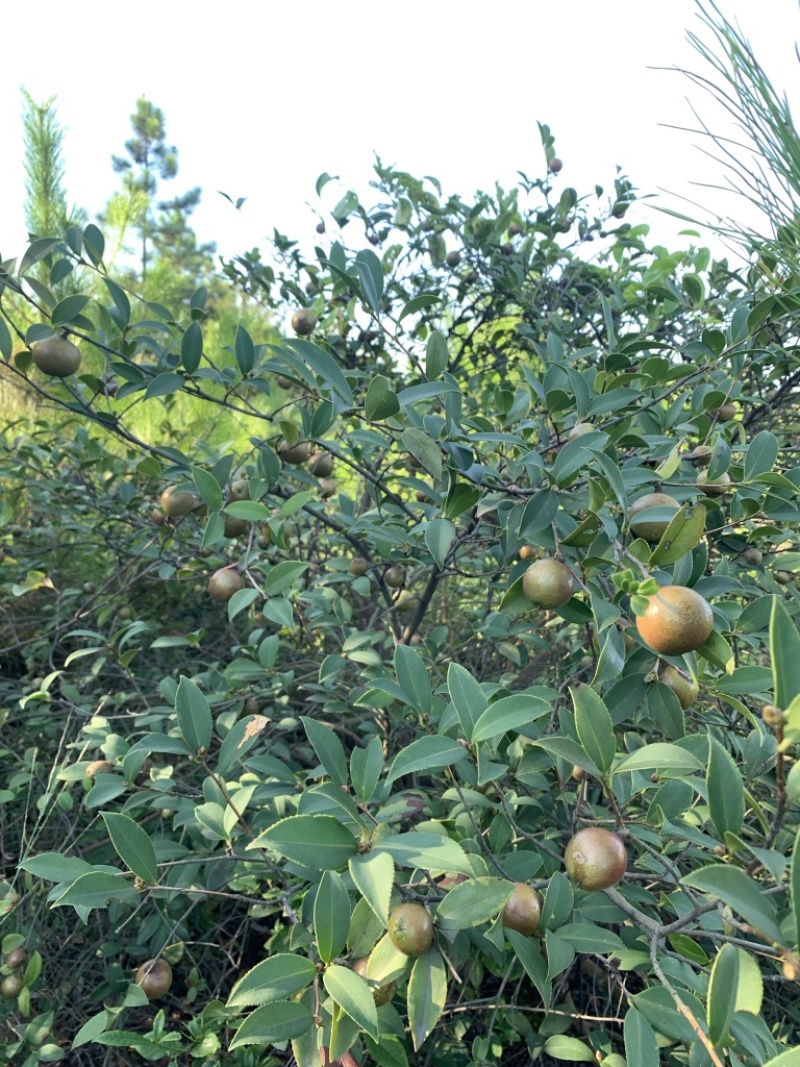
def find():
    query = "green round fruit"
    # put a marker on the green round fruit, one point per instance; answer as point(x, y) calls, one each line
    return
point(154, 977)
point(411, 929)
point(394, 576)
point(176, 503)
point(725, 413)
point(651, 530)
point(579, 429)
point(294, 454)
point(595, 858)
point(239, 490)
point(682, 685)
point(56, 356)
point(16, 958)
point(224, 583)
point(783, 577)
point(523, 910)
point(235, 527)
point(452, 259)
point(406, 602)
point(555, 165)
point(677, 620)
point(359, 566)
point(548, 583)
point(12, 985)
point(753, 556)
point(718, 486)
point(304, 321)
point(321, 464)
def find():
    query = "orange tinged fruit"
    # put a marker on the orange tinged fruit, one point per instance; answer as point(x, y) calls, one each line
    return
point(595, 858)
point(549, 583)
point(677, 620)
point(523, 910)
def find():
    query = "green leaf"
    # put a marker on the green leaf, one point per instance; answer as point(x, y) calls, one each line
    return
point(54, 867)
point(508, 713)
point(426, 754)
point(121, 302)
point(329, 749)
point(467, 696)
point(786, 1059)
point(475, 901)
point(194, 715)
point(381, 401)
point(530, 956)
point(6, 344)
point(283, 576)
point(418, 303)
point(275, 978)
point(316, 841)
point(208, 487)
point(353, 995)
point(244, 350)
point(641, 1047)
point(761, 455)
point(370, 274)
point(373, 876)
point(595, 727)
point(742, 893)
point(163, 385)
point(718, 652)
point(439, 536)
point(68, 309)
point(725, 791)
point(238, 742)
point(192, 348)
point(685, 531)
point(436, 355)
point(561, 1047)
point(412, 677)
point(723, 985)
point(36, 251)
point(567, 749)
point(304, 356)
point(794, 880)
point(424, 448)
point(366, 765)
point(133, 846)
point(96, 889)
point(426, 852)
point(559, 898)
point(331, 915)
point(427, 995)
point(659, 756)
point(784, 647)
point(588, 937)
point(273, 1023)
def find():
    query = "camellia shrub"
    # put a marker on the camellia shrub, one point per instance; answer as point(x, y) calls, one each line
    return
point(448, 712)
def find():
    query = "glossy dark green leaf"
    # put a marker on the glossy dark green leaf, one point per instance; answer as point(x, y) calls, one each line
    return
point(530, 956)
point(641, 1047)
point(436, 355)
point(685, 530)
point(192, 347)
point(425, 449)
point(331, 916)
point(509, 714)
point(273, 1023)
point(475, 901)
point(276, 978)
point(208, 487)
point(725, 791)
point(133, 846)
point(163, 385)
point(353, 995)
point(427, 995)
point(316, 841)
point(381, 401)
point(366, 765)
point(194, 716)
point(467, 696)
point(426, 754)
point(784, 646)
point(439, 536)
point(742, 893)
point(244, 350)
point(370, 274)
point(723, 987)
point(594, 726)
point(373, 876)
point(329, 749)
point(412, 677)
point(762, 452)
point(68, 309)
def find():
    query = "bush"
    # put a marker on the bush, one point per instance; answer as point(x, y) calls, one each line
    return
point(247, 790)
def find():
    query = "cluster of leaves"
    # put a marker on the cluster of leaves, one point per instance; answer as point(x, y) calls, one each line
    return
point(275, 774)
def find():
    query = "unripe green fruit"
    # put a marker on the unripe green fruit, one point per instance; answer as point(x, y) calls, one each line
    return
point(549, 583)
point(394, 577)
point(753, 556)
point(682, 685)
point(523, 910)
point(579, 429)
point(304, 321)
point(321, 465)
point(327, 487)
point(224, 583)
point(677, 620)
point(651, 530)
point(235, 527)
point(17, 957)
point(783, 577)
point(595, 858)
point(452, 259)
point(411, 929)
point(178, 502)
point(555, 165)
point(359, 566)
point(294, 454)
point(406, 602)
point(12, 985)
point(239, 490)
point(725, 413)
point(713, 486)
point(56, 356)
point(155, 978)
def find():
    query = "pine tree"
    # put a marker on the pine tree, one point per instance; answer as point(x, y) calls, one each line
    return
point(46, 213)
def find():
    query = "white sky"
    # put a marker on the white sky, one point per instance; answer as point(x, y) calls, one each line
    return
point(261, 97)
